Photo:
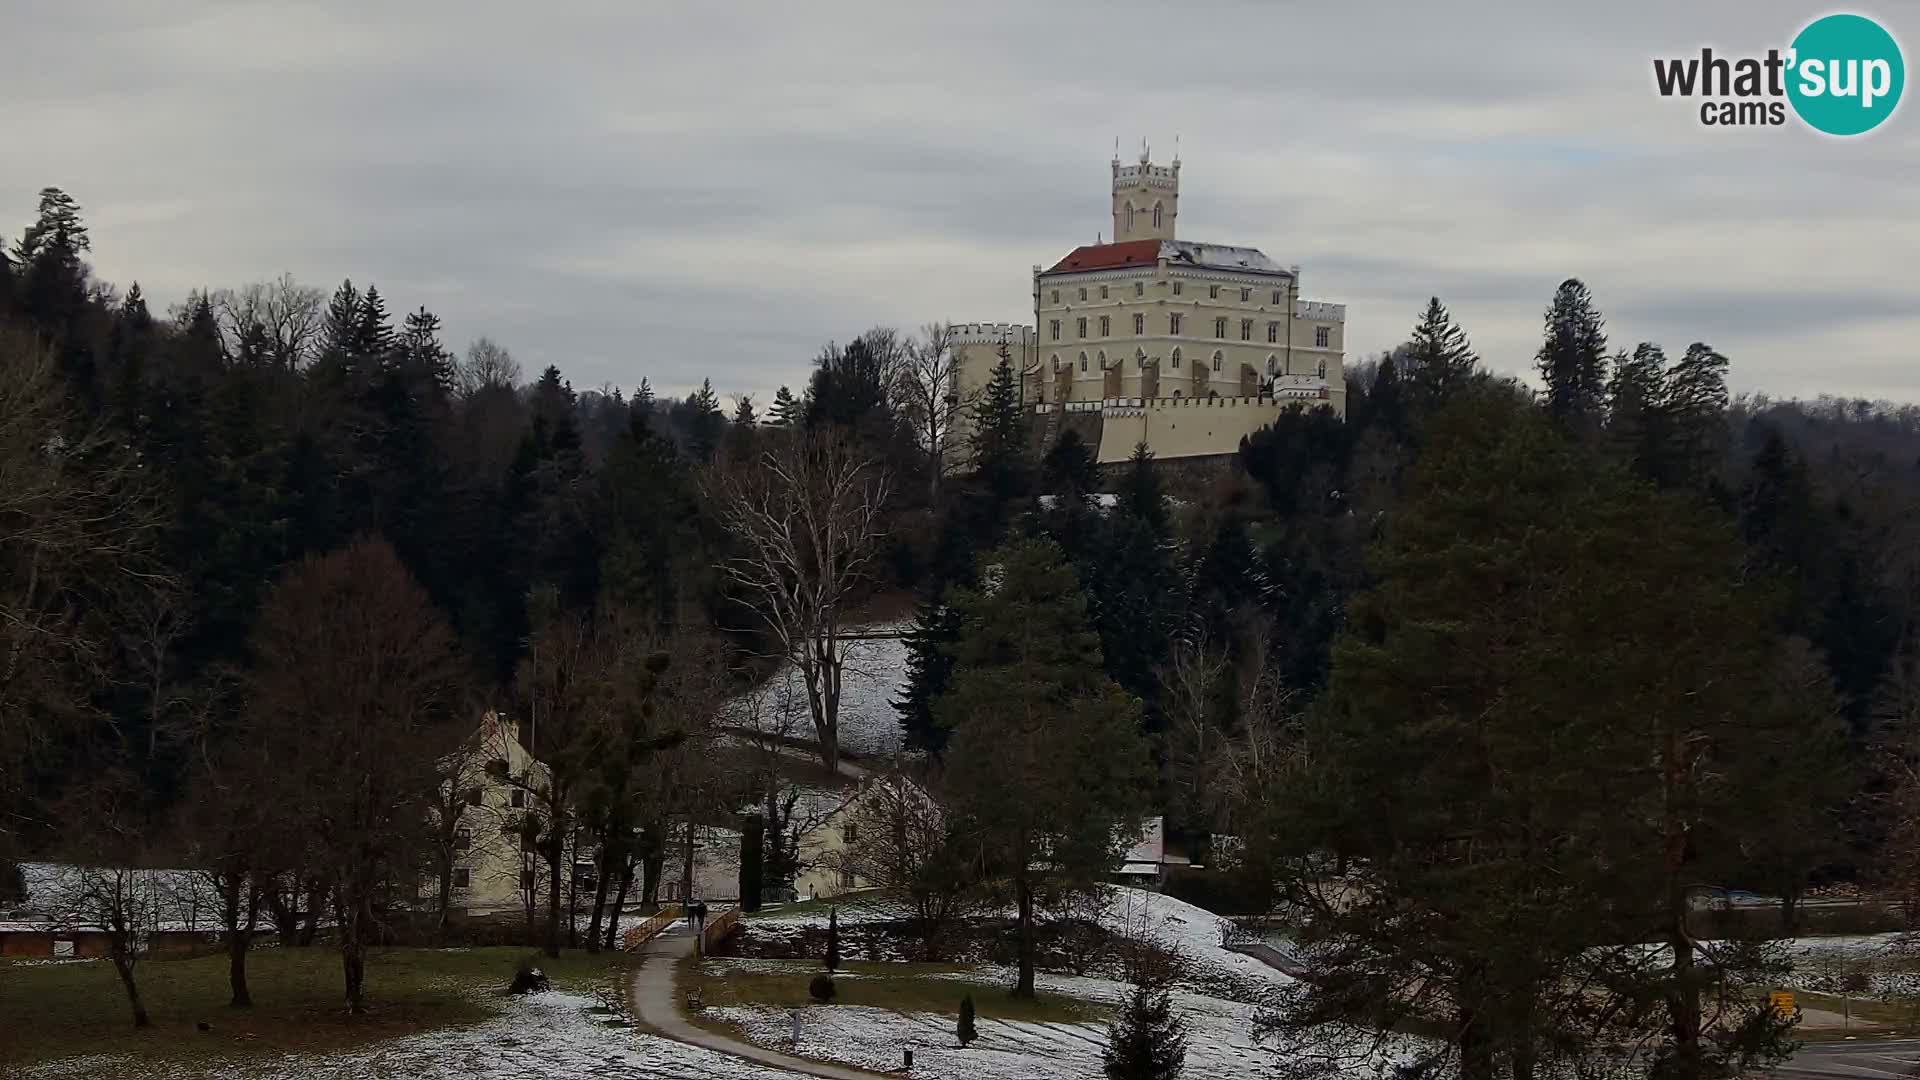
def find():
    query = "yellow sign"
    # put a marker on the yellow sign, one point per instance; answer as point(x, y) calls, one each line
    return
point(1781, 1002)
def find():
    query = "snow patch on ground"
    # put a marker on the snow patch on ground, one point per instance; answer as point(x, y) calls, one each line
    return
point(875, 674)
point(551, 1036)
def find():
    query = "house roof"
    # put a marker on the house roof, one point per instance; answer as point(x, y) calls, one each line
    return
point(1176, 252)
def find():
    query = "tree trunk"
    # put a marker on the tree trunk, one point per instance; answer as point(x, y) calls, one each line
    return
point(553, 896)
point(1790, 911)
point(619, 901)
point(123, 962)
point(316, 892)
point(237, 942)
point(1476, 1048)
point(602, 860)
point(686, 869)
point(444, 902)
point(1024, 987)
point(573, 894)
point(1683, 994)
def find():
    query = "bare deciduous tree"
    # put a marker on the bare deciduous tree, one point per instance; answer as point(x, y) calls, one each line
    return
point(291, 315)
point(898, 839)
point(77, 528)
point(488, 364)
point(929, 392)
point(805, 520)
point(358, 690)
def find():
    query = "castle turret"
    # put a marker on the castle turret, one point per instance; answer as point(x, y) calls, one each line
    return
point(1146, 199)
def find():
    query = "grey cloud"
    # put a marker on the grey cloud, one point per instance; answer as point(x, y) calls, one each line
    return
point(683, 190)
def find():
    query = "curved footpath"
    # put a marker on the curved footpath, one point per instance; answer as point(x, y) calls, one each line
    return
point(654, 993)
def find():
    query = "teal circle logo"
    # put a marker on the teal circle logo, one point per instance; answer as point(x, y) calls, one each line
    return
point(1845, 74)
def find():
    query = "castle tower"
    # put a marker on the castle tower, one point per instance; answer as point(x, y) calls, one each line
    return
point(1146, 199)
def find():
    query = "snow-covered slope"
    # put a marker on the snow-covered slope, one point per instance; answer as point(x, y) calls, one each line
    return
point(875, 674)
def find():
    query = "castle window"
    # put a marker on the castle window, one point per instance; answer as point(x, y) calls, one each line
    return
point(1213, 292)
point(1246, 329)
point(1140, 359)
point(1216, 359)
point(1056, 361)
point(1273, 364)
point(1083, 292)
point(1273, 332)
point(1173, 322)
point(1176, 288)
point(1322, 336)
point(1276, 297)
point(1056, 296)
point(1322, 369)
point(1103, 292)
point(1139, 325)
point(1176, 359)
point(1156, 215)
point(1220, 327)
point(1106, 325)
point(462, 838)
point(1083, 361)
point(1055, 327)
point(1246, 295)
point(462, 877)
point(1139, 288)
point(1101, 359)
point(1081, 326)
point(1129, 217)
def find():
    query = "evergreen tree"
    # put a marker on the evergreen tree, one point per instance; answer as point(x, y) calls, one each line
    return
point(743, 412)
point(929, 643)
point(1000, 434)
point(373, 334)
point(1142, 497)
point(340, 324)
point(1031, 713)
point(785, 409)
point(427, 362)
point(833, 939)
point(1694, 415)
point(1145, 1040)
point(707, 422)
point(1573, 359)
point(1636, 396)
point(1069, 468)
point(964, 1030)
point(1439, 357)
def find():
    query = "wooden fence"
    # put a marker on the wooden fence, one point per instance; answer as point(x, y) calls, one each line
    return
point(640, 935)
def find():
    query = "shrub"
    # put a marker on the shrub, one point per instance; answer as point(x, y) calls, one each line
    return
point(821, 988)
point(964, 1030)
point(833, 940)
point(528, 978)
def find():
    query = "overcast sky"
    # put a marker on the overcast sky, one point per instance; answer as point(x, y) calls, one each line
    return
point(688, 190)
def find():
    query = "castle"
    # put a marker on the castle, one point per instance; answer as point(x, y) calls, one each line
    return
point(1182, 345)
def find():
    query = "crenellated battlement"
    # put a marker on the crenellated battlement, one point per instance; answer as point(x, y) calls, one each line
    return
point(1320, 309)
point(991, 333)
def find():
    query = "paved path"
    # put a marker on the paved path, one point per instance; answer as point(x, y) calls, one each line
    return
point(655, 1000)
point(1858, 1059)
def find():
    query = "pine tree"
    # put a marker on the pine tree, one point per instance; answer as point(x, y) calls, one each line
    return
point(428, 363)
point(1031, 713)
point(1439, 357)
point(1145, 1041)
point(1069, 468)
point(743, 415)
point(1694, 412)
point(340, 324)
point(929, 643)
point(1636, 396)
point(707, 421)
point(1142, 497)
point(785, 409)
point(373, 334)
point(833, 939)
point(1573, 359)
point(1000, 434)
point(964, 1030)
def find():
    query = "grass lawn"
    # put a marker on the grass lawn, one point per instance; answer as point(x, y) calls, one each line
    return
point(923, 988)
point(844, 901)
point(1885, 1017)
point(54, 1011)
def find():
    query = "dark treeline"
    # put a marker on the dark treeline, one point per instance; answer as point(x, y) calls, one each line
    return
point(1669, 633)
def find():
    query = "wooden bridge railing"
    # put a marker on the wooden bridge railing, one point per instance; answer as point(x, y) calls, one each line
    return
point(718, 929)
point(645, 932)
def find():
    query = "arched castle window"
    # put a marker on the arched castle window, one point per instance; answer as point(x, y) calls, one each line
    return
point(1273, 364)
point(1176, 359)
point(1216, 359)
point(1322, 372)
point(1130, 217)
point(1156, 215)
point(1140, 358)
point(1056, 361)
point(1083, 361)
point(1101, 357)
point(1176, 393)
